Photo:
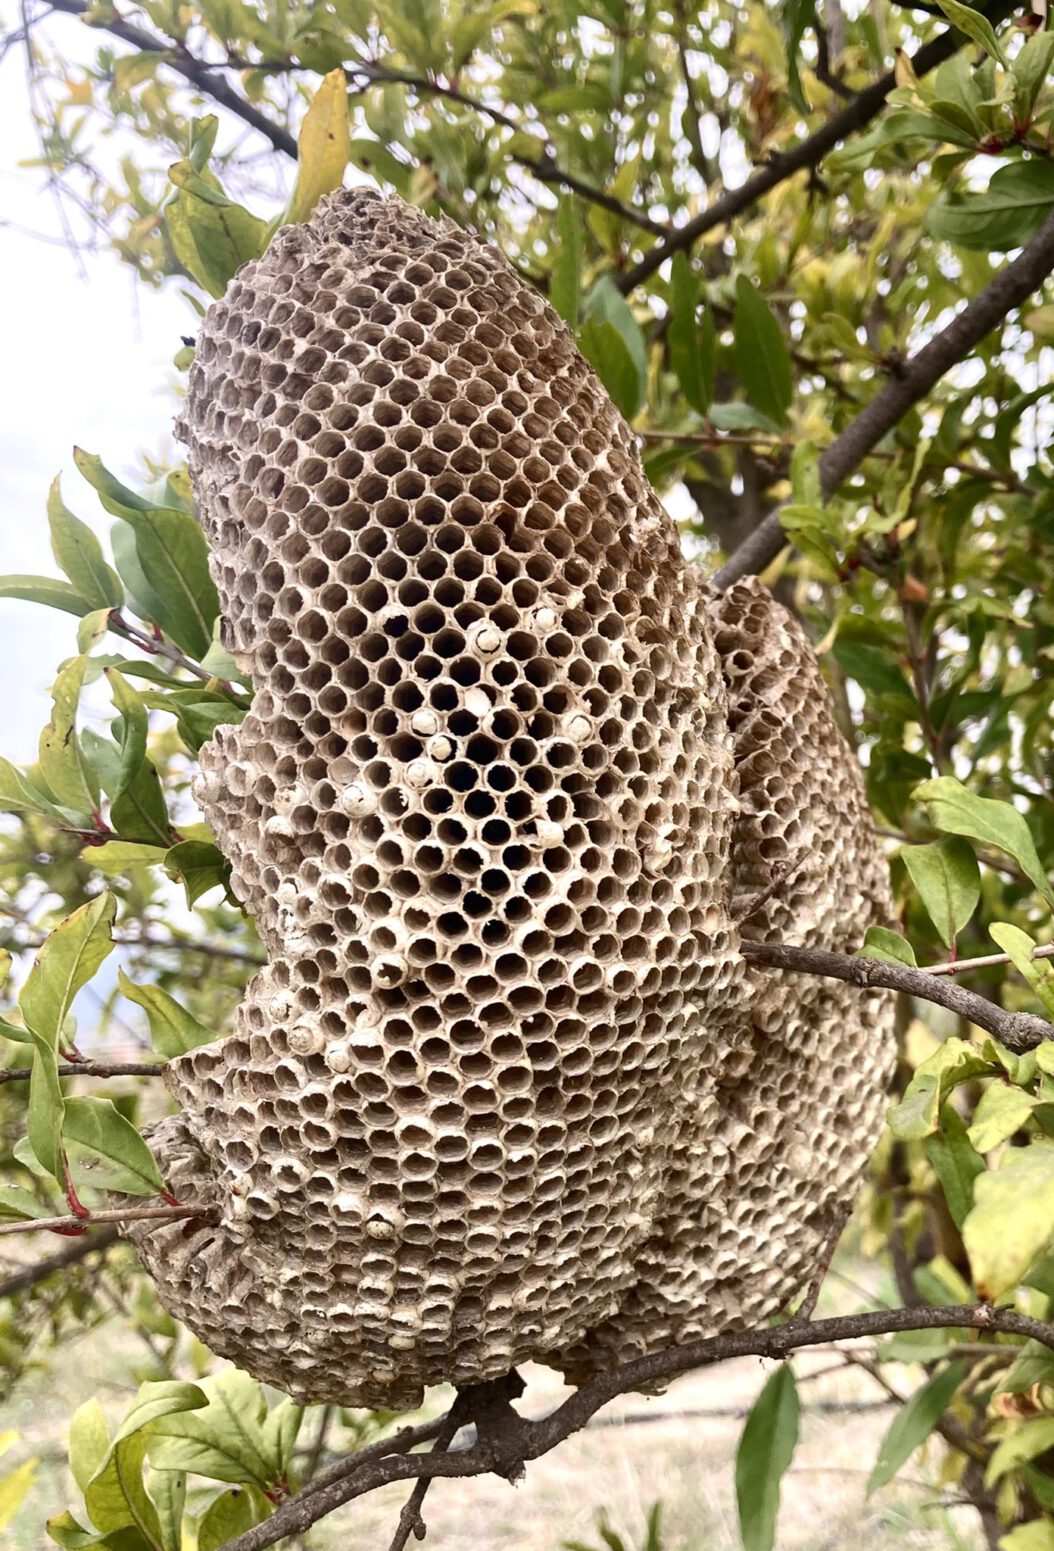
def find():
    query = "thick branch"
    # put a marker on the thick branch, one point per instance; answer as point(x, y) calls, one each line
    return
point(1016, 1030)
point(75, 1251)
point(1010, 287)
point(857, 114)
point(503, 1452)
point(88, 1069)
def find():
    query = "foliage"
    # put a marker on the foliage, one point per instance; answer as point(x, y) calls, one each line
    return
point(576, 136)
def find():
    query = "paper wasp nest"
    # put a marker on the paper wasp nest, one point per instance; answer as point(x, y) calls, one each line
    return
point(506, 1089)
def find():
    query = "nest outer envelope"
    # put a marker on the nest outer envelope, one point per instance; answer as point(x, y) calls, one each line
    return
point(506, 1090)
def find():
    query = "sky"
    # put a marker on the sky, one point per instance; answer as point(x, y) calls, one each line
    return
point(88, 363)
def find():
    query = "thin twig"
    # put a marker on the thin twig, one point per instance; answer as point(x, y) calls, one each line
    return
point(986, 961)
point(118, 1215)
point(89, 1069)
point(1018, 1031)
point(410, 1520)
point(1013, 285)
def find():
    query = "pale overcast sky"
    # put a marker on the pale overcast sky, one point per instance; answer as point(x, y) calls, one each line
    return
point(87, 362)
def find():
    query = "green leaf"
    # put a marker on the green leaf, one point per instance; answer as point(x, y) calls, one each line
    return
point(797, 16)
point(953, 1062)
point(955, 1163)
point(62, 763)
point(1019, 947)
point(888, 946)
point(226, 1441)
point(99, 1128)
point(19, 795)
point(228, 1515)
point(762, 359)
point(1030, 69)
point(18, 1205)
point(45, 589)
point(873, 669)
point(322, 146)
point(948, 881)
point(140, 813)
point(956, 811)
point(168, 1489)
point(1033, 1365)
point(1035, 1437)
point(975, 26)
point(173, 1030)
point(158, 1398)
point(914, 1422)
point(1001, 1110)
point(120, 857)
point(565, 276)
point(89, 1441)
point(1012, 1220)
point(131, 738)
point(199, 866)
point(116, 1497)
point(210, 238)
point(765, 1450)
point(172, 552)
point(611, 339)
point(79, 555)
point(692, 344)
point(281, 1429)
point(1010, 211)
point(45, 1110)
point(68, 959)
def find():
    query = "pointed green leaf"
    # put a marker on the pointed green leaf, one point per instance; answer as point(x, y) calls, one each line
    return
point(89, 1441)
point(948, 881)
point(880, 942)
point(913, 1424)
point(100, 1129)
point(172, 1029)
point(955, 1163)
point(228, 1515)
point(116, 1497)
point(62, 764)
point(762, 359)
point(45, 589)
point(68, 959)
point(19, 795)
point(953, 1062)
point(225, 1441)
point(691, 342)
point(565, 276)
point(172, 552)
point(974, 25)
point(765, 1451)
point(957, 811)
point(80, 557)
point(131, 736)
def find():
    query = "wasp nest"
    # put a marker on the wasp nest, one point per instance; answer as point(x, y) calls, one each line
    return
point(506, 1088)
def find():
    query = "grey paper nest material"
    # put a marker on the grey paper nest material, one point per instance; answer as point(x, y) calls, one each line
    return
point(506, 1089)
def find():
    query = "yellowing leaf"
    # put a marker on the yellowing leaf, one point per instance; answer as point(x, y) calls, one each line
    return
point(322, 146)
point(1013, 1219)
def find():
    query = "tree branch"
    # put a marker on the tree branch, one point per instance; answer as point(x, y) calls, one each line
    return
point(118, 1215)
point(192, 70)
point(88, 1069)
point(1010, 287)
point(77, 1250)
point(503, 1452)
point(857, 114)
point(1018, 1031)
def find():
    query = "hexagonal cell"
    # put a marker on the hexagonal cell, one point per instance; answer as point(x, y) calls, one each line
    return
point(506, 1088)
